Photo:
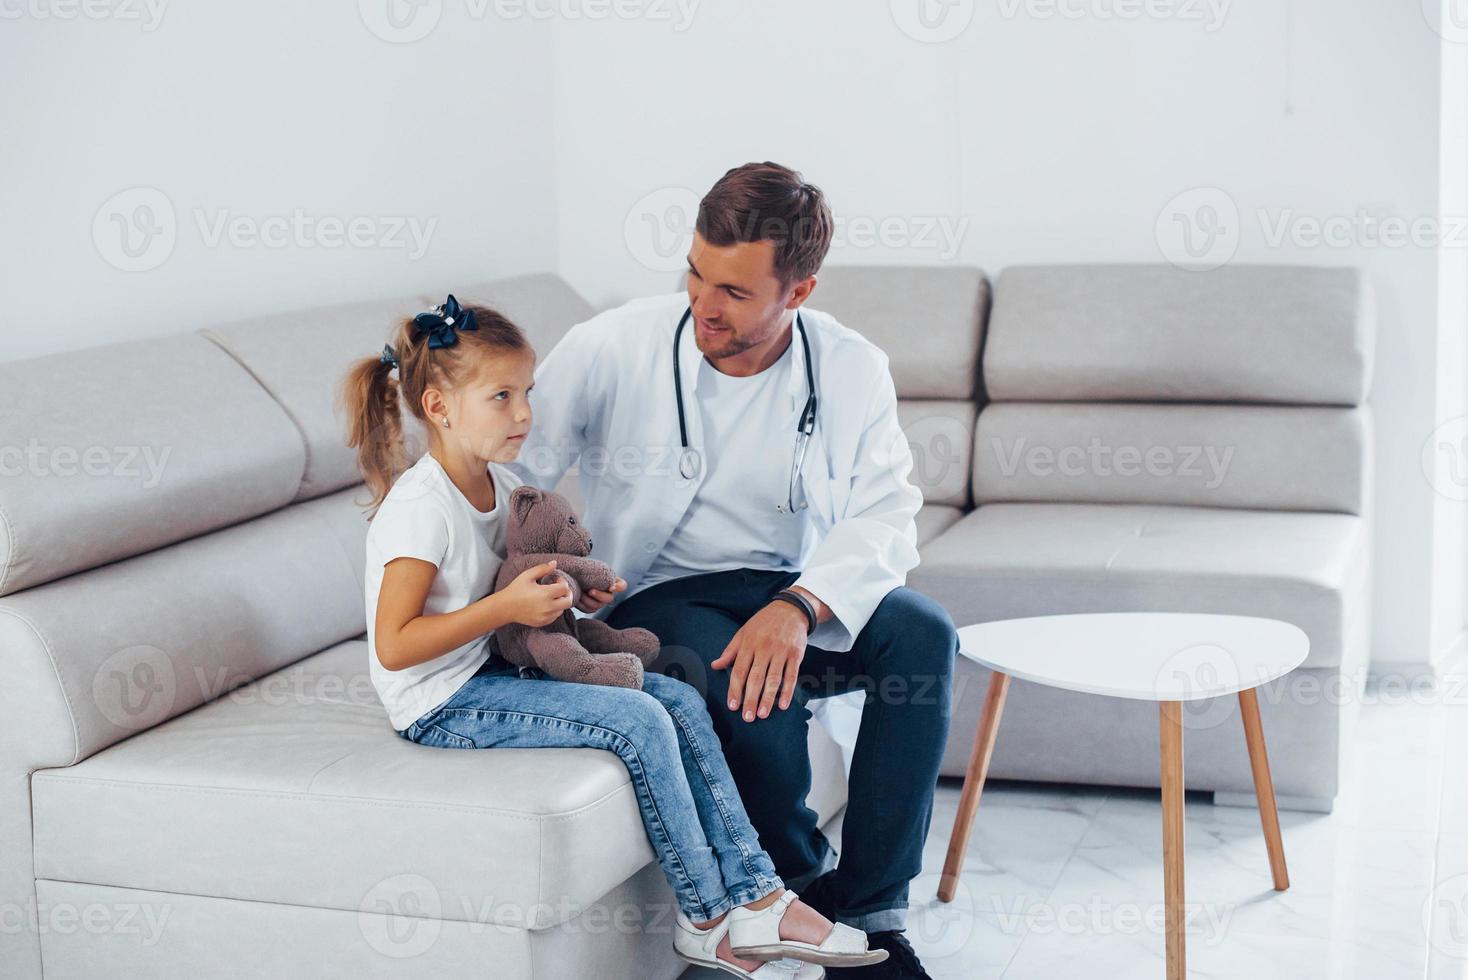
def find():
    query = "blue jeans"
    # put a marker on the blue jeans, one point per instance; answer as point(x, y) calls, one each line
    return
point(902, 659)
point(694, 819)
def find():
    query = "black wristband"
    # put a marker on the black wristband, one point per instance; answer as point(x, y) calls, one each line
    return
point(803, 604)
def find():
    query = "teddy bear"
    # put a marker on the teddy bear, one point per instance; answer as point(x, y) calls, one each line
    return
point(542, 526)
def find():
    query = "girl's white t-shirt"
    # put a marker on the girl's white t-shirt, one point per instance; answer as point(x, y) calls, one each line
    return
point(425, 516)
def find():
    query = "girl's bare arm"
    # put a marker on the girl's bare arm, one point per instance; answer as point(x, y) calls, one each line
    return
point(405, 637)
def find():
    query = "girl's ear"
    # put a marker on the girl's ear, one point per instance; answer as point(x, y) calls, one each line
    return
point(522, 500)
point(435, 408)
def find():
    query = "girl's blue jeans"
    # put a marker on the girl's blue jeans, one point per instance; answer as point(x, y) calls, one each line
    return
point(691, 809)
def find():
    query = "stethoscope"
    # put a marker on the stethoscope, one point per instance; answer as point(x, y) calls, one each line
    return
point(689, 462)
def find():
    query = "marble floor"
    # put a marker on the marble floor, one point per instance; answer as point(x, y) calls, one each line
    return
point(1064, 881)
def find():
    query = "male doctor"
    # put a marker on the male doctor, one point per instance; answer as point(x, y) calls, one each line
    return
point(782, 570)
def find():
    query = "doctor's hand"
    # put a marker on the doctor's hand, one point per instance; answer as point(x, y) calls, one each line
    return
point(764, 657)
point(594, 599)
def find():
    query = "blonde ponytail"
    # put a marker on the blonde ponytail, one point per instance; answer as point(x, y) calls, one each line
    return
point(369, 396)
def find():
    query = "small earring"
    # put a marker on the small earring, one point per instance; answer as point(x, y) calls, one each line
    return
point(446, 422)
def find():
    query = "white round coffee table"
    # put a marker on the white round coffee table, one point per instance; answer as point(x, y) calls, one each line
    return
point(1164, 657)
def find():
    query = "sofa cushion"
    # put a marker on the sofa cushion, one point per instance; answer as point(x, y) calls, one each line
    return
point(110, 652)
point(933, 519)
point(1264, 456)
point(928, 319)
point(295, 789)
point(300, 358)
point(1258, 333)
point(1006, 561)
point(108, 452)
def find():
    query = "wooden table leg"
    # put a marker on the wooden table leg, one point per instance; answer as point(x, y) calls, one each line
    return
point(973, 785)
point(1170, 718)
point(1264, 786)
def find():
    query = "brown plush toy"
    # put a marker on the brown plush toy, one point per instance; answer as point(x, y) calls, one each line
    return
point(542, 526)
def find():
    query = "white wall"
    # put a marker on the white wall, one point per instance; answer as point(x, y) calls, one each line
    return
point(556, 135)
point(1447, 449)
point(1048, 139)
point(251, 111)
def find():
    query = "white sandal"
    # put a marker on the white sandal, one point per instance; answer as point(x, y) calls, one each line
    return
point(700, 947)
point(754, 934)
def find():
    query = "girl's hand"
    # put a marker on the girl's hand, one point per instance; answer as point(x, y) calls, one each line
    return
point(532, 604)
point(594, 599)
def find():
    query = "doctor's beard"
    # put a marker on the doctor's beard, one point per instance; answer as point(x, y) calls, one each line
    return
point(733, 341)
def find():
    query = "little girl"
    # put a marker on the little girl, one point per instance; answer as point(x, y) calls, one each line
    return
point(435, 544)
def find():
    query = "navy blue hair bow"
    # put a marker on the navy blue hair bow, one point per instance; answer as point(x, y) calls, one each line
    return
point(440, 323)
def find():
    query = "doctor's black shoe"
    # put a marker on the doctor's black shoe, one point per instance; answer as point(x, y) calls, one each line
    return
point(901, 963)
point(818, 895)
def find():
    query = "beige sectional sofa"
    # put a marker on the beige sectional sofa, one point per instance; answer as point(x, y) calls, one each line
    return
point(197, 779)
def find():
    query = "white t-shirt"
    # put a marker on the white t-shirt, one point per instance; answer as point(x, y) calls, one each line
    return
point(425, 516)
point(749, 448)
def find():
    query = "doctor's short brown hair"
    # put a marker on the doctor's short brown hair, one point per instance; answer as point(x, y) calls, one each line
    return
point(767, 202)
